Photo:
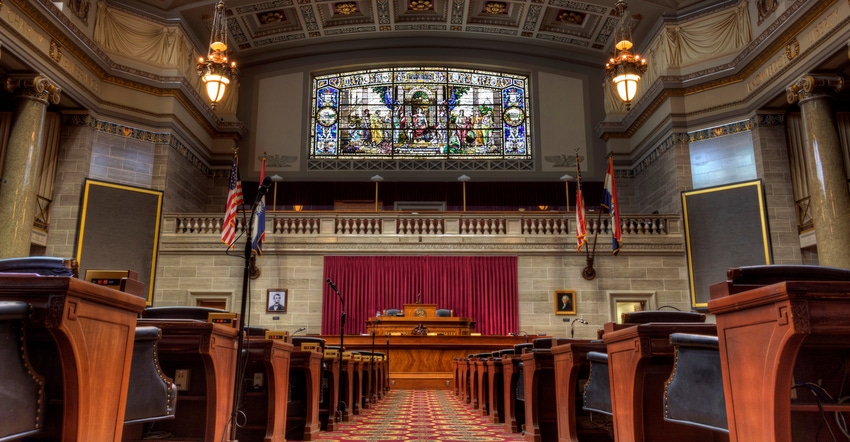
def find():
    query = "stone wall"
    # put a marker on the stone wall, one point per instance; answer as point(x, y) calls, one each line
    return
point(657, 188)
point(194, 265)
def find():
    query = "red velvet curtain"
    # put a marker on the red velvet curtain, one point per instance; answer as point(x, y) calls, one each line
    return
point(483, 288)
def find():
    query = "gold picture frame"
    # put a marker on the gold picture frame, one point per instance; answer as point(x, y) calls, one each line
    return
point(276, 301)
point(565, 302)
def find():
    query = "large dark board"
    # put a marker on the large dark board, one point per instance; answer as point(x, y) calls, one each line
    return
point(725, 227)
point(119, 230)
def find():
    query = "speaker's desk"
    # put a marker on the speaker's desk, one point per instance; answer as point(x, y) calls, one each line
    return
point(425, 362)
point(408, 325)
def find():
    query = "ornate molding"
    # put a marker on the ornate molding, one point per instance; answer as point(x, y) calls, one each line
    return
point(813, 86)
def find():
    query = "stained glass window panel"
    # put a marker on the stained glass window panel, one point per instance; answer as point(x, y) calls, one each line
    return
point(420, 113)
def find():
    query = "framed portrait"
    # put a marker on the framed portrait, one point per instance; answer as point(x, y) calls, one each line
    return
point(276, 301)
point(565, 302)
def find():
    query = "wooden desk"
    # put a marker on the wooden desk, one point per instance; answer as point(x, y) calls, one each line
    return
point(571, 372)
point(405, 325)
point(495, 390)
point(772, 336)
point(482, 384)
point(514, 411)
point(640, 359)
point(330, 393)
point(209, 352)
point(305, 377)
point(92, 328)
point(347, 387)
point(265, 405)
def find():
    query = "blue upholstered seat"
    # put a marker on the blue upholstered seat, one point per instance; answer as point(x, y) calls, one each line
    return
point(444, 312)
point(393, 312)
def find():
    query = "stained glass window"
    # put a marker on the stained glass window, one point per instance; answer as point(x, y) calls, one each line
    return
point(420, 113)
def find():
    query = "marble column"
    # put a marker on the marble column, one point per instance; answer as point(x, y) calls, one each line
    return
point(830, 200)
point(20, 179)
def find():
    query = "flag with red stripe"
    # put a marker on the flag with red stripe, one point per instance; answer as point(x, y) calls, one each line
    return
point(609, 201)
point(581, 224)
point(234, 200)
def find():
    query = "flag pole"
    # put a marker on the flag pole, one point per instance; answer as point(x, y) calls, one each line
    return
point(589, 272)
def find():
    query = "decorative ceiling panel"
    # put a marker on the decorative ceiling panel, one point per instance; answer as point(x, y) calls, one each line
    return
point(583, 28)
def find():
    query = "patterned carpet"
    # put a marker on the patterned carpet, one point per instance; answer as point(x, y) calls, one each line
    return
point(422, 416)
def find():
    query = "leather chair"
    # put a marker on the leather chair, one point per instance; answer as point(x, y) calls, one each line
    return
point(647, 316)
point(443, 313)
point(40, 265)
point(393, 312)
point(22, 395)
point(696, 374)
point(180, 312)
point(597, 393)
point(151, 395)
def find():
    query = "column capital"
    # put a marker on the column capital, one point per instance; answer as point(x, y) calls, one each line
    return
point(34, 86)
point(812, 86)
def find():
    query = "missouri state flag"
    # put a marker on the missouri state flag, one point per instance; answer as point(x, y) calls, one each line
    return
point(259, 225)
point(609, 201)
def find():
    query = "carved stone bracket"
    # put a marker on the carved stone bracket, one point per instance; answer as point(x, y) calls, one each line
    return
point(37, 87)
point(813, 86)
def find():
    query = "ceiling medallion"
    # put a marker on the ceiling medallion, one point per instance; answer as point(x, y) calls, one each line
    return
point(271, 17)
point(495, 8)
point(571, 17)
point(347, 8)
point(421, 5)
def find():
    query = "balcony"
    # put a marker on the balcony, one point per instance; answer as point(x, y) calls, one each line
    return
point(397, 232)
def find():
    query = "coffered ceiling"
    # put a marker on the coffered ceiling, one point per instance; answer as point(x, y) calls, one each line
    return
point(573, 30)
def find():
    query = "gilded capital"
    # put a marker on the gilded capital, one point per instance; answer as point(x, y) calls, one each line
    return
point(37, 87)
point(812, 86)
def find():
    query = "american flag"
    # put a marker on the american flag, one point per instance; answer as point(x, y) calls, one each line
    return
point(581, 224)
point(234, 200)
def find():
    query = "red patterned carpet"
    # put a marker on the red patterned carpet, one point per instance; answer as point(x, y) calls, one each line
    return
point(419, 415)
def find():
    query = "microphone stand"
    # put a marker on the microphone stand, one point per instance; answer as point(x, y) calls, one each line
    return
point(573, 324)
point(388, 360)
point(373, 374)
point(341, 337)
point(246, 276)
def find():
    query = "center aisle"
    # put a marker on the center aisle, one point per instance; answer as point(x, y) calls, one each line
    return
point(419, 415)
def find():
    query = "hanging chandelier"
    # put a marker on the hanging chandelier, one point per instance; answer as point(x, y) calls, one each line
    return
point(624, 69)
point(215, 70)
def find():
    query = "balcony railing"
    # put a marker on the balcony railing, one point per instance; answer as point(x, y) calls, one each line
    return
point(447, 231)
